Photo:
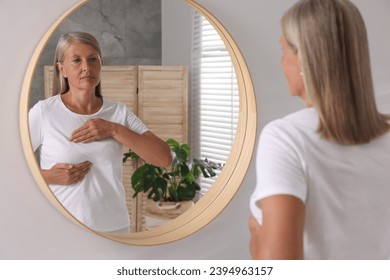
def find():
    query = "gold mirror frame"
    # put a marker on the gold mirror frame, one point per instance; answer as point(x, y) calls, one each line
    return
point(227, 183)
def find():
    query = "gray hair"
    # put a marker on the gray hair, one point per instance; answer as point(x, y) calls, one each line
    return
point(331, 40)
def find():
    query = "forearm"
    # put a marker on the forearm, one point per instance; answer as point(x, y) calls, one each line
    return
point(148, 146)
point(46, 174)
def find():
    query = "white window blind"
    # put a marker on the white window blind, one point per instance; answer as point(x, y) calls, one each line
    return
point(215, 99)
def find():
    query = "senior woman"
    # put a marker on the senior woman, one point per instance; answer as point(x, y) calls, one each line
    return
point(80, 135)
point(323, 180)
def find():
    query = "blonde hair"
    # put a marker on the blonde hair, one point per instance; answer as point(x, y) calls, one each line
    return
point(331, 40)
point(60, 83)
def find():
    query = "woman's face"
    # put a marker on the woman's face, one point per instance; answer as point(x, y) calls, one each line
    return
point(292, 70)
point(81, 66)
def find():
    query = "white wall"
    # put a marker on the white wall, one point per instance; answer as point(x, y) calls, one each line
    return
point(176, 32)
point(32, 229)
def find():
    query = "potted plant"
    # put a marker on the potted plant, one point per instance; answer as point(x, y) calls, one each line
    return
point(174, 184)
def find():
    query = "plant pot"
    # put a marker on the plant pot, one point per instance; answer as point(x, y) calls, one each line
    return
point(167, 210)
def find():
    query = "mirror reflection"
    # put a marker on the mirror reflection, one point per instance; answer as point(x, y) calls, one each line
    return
point(170, 68)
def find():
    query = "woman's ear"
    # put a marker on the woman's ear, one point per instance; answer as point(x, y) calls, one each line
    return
point(60, 68)
point(300, 65)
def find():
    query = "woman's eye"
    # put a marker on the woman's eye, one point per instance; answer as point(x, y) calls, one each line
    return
point(76, 60)
point(93, 59)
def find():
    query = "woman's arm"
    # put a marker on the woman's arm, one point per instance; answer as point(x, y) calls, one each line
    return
point(281, 234)
point(148, 146)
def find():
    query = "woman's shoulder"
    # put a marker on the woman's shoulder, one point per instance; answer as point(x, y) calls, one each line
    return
point(303, 120)
point(47, 103)
point(307, 116)
point(110, 103)
point(294, 130)
point(117, 107)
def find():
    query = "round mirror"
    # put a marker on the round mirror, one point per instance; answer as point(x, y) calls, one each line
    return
point(168, 51)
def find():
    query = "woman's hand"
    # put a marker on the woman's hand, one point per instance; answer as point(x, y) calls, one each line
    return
point(66, 174)
point(92, 130)
point(255, 231)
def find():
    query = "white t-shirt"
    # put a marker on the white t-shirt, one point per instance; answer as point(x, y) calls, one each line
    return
point(346, 189)
point(99, 200)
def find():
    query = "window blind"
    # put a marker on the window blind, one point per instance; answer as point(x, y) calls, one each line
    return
point(215, 99)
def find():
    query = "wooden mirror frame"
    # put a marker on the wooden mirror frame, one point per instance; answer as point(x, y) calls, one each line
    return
point(227, 183)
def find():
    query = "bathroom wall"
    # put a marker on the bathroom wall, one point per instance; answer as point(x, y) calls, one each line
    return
point(30, 226)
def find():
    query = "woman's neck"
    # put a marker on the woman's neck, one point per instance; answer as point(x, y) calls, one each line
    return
point(84, 103)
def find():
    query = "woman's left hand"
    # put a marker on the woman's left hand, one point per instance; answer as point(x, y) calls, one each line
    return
point(255, 231)
point(92, 130)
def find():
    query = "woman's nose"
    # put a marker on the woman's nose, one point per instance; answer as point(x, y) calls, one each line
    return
point(85, 66)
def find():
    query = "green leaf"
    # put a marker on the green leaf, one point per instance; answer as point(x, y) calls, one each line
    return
point(190, 176)
point(184, 170)
point(138, 175)
point(130, 154)
point(173, 193)
point(147, 182)
point(186, 148)
point(161, 184)
point(158, 189)
point(207, 167)
point(195, 171)
point(181, 154)
point(172, 143)
point(187, 192)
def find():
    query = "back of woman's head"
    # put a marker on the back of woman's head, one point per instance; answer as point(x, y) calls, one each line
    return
point(331, 40)
point(60, 83)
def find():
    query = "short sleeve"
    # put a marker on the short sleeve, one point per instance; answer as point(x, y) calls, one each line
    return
point(279, 166)
point(134, 123)
point(35, 125)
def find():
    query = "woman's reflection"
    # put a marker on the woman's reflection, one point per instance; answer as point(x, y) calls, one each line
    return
point(80, 135)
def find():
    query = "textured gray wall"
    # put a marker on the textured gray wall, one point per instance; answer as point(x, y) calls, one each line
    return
point(128, 31)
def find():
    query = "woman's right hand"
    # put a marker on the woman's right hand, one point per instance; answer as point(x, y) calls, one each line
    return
point(66, 174)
